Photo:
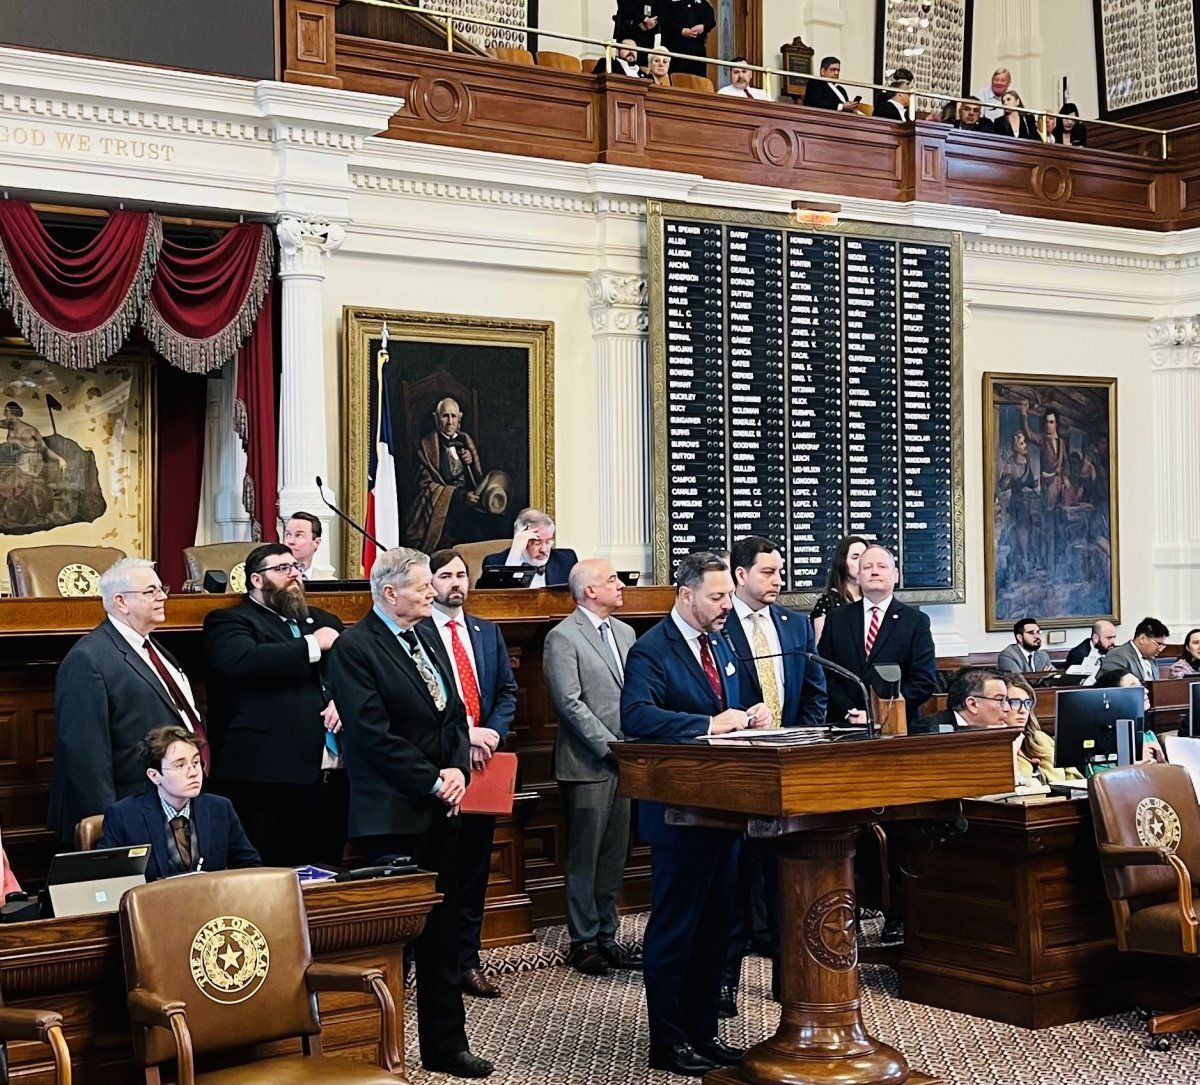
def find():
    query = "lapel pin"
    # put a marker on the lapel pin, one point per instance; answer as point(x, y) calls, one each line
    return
point(730, 669)
point(309, 620)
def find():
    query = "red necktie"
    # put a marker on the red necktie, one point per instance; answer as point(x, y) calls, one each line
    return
point(710, 668)
point(873, 629)
point(181, 702)
point(466, 676)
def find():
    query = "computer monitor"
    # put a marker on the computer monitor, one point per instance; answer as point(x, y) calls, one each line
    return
point(1190, 727)
point(86, 882)
point(1085, 728)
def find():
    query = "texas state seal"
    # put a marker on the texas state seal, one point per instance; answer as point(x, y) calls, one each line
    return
point(229, 959)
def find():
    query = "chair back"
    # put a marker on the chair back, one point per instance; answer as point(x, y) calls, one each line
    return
point(547, 58)
point(687, 81)
point(69, 571)
point(228, 558)
point(473, 554)
point(233, 945)
point(512, 56)
point(866, 109)
point(1146, 806)
point(88, 832)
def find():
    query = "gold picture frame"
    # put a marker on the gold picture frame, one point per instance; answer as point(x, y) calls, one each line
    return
point(1050, 538)
point(502, 370)
point(77, 456)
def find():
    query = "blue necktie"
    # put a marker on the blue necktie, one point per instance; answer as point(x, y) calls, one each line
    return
point(331, 742)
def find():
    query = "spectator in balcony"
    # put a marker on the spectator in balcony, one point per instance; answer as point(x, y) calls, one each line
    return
point(637, 19)
point(660, 68)
point(992, 96)
point(881, 97)
point(739, 82)
point(624, 62)
point(1069, 129)
point(830, 95)
point(897, 105)
point(970, 117)
point(1013, 123)
point(686, 25)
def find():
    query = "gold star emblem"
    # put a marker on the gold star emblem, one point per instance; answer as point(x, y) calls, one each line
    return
point(230, 957)
point(837, 931)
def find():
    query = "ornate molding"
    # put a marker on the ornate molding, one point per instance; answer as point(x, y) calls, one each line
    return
point(304, 243)
point(1175, 343)
point(618, 303)
point(1025, 250)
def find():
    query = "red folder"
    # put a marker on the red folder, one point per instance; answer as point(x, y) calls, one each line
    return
point(492, 788)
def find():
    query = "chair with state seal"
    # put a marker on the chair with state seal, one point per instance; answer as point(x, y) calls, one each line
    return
point(71, 572)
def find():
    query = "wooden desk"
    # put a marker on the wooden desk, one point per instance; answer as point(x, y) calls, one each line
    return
point(1010, 920)
point(74, 966)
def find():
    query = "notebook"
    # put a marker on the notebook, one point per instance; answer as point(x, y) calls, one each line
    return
point(492, 788)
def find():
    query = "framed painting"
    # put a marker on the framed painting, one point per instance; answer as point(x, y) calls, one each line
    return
point(1050, 528)
point(1147, 55)
point(464, 405)
point(76, 454)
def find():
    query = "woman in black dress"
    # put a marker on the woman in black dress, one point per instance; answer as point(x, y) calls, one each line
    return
point(1013, 123)
point(841, 586)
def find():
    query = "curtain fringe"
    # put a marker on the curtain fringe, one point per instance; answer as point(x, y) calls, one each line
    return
point(256, 531)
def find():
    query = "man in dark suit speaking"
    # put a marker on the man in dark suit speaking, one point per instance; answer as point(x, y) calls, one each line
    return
point(271, 717)
point(407, 751)
point(682, 682)
point(112, 687)
point(878, 630)
point(533, 547)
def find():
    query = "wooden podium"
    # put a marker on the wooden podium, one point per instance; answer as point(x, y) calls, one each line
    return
point(816, 799)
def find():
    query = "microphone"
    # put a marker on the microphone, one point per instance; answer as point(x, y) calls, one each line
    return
point(342, 516)
point(812, 657)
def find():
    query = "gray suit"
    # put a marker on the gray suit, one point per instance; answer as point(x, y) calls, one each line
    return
point(1126, 657)
point(1014, 658)
point(585, 682)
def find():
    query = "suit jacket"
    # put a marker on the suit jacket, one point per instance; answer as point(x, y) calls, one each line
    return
point(139, 819)
point(667, 697)
point(1080, 652)
point(558, 565)
point(1124, 657)
point(903, 639)
point(628, 19)
point(264, 697)
point(106, 697)
point(394, 740)
point(891, 110)
point(984, 125)
point(822, 96)
point(934, 723)
point(1015, 658)
point(804, 697)
point(497, 686)
point(585, 689)
point(676, 15)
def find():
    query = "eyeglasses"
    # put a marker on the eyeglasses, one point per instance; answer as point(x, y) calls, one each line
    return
point(1017, 703)
point(185, 767)
point(999, 699)
point(154, 592)
point(287, 567)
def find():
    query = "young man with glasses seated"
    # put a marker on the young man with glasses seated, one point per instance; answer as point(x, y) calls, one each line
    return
point(186, 830)
point(274, 725)
point(113, 686)
point(975, 697)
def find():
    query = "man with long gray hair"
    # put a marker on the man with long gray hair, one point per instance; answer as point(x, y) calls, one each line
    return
point(533, 548)
point(113, 686)
point(407, 754)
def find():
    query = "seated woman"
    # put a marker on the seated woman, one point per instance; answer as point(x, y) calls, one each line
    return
point(660, 67)
point(1067, 129)
point(186, 831)
point(1035, 750)
point(1188, 664)
point(1119, 679)
point(1014, 123)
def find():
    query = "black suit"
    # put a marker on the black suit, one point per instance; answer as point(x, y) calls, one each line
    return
point(675, 16)
point(627, 23)
point(934, 723)
point(395, 741)
point(558, 565)
point(984, 125)
point(903, 639)
point(821, 95)
point(891, 110)
point(265, 701)
point(106, 698)
point(1080, 652)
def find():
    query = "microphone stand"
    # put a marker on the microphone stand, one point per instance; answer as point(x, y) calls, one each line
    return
point(820, 661)
point(342, 516)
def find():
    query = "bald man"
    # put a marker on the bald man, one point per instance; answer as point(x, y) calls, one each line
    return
point(1090, 651)
point(584, 662)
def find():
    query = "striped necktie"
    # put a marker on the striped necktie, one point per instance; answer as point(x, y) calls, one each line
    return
point(872, 629)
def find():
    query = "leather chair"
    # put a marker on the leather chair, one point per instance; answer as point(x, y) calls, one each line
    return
point(50, 570)
point(43, 1025)
point(1147, 824)
point(228, 558)
point(88, 832)
point(510, 55)
point(547, 58)
point(219, 964)
point(687, 81)
point(473, 554)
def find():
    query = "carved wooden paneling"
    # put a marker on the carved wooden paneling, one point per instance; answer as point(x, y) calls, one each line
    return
point(310, 55)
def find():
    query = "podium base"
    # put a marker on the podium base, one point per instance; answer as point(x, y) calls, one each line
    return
point(732, 1075)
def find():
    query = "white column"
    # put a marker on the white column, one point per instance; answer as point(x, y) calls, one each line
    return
point(619, 325)
point(824, 21)
point(1019, 49)
point(303, 246)
point(232, 521)
point(1175, 362)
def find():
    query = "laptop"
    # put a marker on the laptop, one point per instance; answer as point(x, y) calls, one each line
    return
point(1058, 680)
point(506, 576)
point(87, 882)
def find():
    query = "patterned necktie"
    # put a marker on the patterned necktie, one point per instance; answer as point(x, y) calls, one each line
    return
point(607, 637)
point(766, 669)
point(710, 668)
point(466, 676)
point(183, 840)
point(424, 668)
point(331, 742)
point(873, 630)
point(180, 701)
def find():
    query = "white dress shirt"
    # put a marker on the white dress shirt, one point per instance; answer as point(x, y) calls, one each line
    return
point(883, 605)
point(993, 107)
point(749, 622)
point(539, 578)
point(597, 621)
point(740, 92)
point(138, 643)
point(442, 620)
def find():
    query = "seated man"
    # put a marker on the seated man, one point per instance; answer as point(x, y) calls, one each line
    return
point(970, 117)
point(1137, 655)
point(739, 82)
point(1027, 655)
point(186, 831)
point(830, 95)
point(975, 697)
point(896, 106)
point(533, 547)
point(625, 62)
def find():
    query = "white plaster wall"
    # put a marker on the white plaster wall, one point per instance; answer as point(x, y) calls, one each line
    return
point(1069, 43)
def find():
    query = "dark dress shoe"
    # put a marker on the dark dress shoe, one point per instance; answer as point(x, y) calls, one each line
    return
point(620, 957)
point(586, 958)
point(717, 1051)
point(460, 1064)
point(474, 982)
point(681, 1059)
point(727, 1002)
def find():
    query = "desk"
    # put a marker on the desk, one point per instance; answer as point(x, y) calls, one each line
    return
point(74, 966)
point(1010, 920)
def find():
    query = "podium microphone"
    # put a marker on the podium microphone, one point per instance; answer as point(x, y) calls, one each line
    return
point(342, 516)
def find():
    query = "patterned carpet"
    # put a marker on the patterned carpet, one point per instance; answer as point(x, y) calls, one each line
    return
point(556, 1027)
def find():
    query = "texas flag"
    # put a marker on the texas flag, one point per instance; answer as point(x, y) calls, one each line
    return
point(383, 502)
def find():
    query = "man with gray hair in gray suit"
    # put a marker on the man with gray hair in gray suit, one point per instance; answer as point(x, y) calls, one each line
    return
point(584, 663)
